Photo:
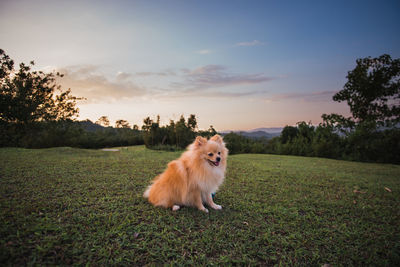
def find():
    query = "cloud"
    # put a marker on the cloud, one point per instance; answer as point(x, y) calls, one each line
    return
point(212, 76)
point(123, 76)
point(162, 73)
point(252, 43)
point(208, 69)
point(86, 81)
point(319, 96)
point(214, 81)
point(203, 52)
point(209, 94)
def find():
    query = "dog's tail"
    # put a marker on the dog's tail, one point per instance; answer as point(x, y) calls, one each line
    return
point(147, 192)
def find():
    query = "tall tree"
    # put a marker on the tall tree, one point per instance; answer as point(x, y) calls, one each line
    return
point(372, 91)
point(182, 132)
point(147, 124)
point(103, 120)
point(122, 124)
point(28, 96)
point(288, 134)
point(192, 122)
point(171, 132)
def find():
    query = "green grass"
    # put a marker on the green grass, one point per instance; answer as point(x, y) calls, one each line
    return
point(68, 206)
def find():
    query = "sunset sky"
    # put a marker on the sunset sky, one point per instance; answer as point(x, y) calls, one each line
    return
point(235, 64)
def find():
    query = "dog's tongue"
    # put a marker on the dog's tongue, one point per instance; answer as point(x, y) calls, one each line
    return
point(216, 163)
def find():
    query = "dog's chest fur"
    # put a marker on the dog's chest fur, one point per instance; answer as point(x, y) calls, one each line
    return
point(210, 179)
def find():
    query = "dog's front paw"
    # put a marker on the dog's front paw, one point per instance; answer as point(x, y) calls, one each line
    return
point(204, 209)
point(217, 207)
point(175, 207)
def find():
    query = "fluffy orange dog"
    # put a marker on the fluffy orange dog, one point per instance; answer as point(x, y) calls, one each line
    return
point(190, 180)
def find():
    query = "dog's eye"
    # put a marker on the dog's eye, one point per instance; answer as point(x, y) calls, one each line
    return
point(210, 154)
point(219, 153)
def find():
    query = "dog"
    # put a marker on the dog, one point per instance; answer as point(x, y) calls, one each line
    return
point(191, 179)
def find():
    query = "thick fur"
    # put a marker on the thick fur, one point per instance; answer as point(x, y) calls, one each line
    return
point(190, 180)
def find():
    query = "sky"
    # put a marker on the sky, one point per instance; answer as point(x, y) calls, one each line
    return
point(236, 65)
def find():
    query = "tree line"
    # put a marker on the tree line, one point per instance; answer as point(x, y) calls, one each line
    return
point(370, 134)
point(363, 143)
point(36, 112)
point(176, 135)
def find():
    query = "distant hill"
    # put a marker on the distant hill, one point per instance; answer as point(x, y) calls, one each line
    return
point(267, 133)
point(90, 126)
point(273, 130)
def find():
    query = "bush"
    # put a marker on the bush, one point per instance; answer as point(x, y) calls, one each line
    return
point(66, 133)
point(365, 142)
point(371, 145)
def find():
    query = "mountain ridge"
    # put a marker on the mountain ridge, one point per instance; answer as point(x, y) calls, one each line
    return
point(265, 132)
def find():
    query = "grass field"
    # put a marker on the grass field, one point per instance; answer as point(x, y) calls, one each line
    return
point(70, 206)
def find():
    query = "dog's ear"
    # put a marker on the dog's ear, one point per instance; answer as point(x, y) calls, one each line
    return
point(200, 141)
point(217, 138)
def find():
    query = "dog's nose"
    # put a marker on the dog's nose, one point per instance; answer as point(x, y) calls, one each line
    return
point(218, 159)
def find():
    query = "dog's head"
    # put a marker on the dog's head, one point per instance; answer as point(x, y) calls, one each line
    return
point(213, 151)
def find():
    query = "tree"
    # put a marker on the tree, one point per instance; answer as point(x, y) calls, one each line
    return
point(146, 131)
point(103, 120)
point(147, 124)
point(288, 134)
point(306, 130)
point(154, 130)
point(28, 96)
point(208, 133)
point(373, 91)
point(180, 130)
point(122, 124)
point(235, 143)
point(337, 122)
point(212, 131)
point(6, 65)
point(179, 134)
point(326, 143)
point(171, 133)
point(192, 122)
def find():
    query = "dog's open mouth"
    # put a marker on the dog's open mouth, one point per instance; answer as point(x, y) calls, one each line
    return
point(213, 163)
